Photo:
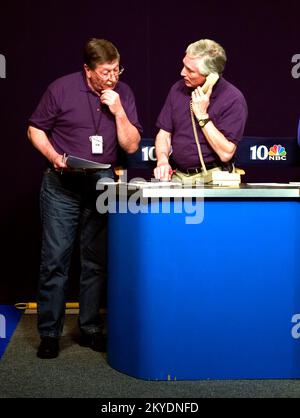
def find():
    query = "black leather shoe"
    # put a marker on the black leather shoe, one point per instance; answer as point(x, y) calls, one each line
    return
point(49, 348)
point(95, 341)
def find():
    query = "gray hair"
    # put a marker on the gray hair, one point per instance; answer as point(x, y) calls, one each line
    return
point(213, 53)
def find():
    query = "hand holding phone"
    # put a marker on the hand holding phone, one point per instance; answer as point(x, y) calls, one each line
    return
point(201, 97)
point(210, 81)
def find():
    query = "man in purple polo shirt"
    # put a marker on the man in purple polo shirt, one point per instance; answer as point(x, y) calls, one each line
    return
point(89, 115)
point(220, 111)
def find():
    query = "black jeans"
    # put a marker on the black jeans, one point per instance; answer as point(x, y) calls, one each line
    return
point(68, 208)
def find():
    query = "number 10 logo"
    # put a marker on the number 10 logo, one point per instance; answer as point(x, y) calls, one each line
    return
point(261, 152)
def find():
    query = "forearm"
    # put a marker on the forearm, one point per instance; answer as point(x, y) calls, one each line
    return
point(128, 135)
point(40, 141)
point(219, 143)
point(162, 149)
point(224, 148)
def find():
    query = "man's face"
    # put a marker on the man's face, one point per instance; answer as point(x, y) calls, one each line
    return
point(104, 76)
point(190, 73)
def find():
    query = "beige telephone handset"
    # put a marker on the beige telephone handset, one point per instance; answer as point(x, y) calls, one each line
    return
point(211, 80)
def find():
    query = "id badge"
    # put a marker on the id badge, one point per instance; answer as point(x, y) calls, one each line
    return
point(97, 144)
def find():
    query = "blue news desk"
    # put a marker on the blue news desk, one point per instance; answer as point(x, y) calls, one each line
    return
point(215, 300)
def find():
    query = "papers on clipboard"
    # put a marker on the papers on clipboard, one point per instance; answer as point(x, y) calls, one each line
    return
point(81, 163)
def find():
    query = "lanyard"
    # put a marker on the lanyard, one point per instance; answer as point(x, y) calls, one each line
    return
point(96, 126)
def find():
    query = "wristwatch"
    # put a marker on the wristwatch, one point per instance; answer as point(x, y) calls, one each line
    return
point(203, 122)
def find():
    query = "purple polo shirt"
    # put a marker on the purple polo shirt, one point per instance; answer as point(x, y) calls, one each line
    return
point(69, 112)
point(227, 109)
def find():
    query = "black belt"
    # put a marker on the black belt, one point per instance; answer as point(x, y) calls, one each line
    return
point(198, 170)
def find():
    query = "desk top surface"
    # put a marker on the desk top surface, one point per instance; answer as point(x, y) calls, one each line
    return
point(172, 189)
point(254, 191)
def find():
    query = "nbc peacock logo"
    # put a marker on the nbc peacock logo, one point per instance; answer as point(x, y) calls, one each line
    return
point(277, 152)
point(263, 153)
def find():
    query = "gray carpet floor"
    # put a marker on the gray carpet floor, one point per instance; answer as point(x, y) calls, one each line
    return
point(79, 372)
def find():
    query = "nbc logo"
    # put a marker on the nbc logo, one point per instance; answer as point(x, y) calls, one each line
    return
point(275, 153)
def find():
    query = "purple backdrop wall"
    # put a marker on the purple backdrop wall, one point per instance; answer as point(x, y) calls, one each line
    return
point(40, 41)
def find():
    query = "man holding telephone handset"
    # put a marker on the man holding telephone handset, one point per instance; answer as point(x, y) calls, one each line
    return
point(218, 108)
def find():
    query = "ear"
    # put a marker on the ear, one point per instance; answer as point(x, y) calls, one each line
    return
point(87, 70)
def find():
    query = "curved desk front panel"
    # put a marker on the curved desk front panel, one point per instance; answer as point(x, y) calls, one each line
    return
point(215, 300)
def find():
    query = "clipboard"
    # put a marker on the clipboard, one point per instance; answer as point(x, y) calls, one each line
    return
point(83, 164)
